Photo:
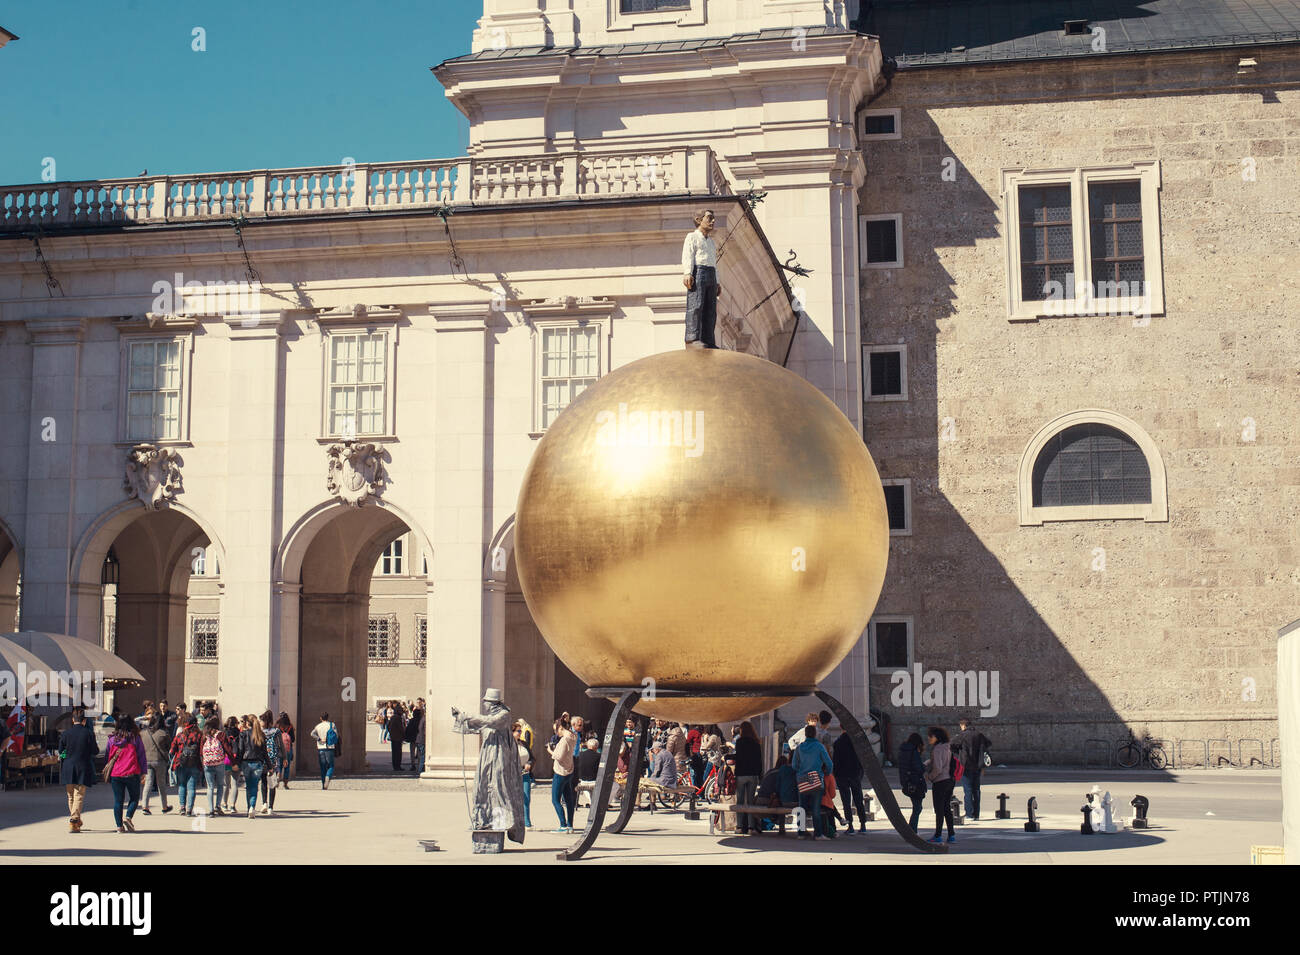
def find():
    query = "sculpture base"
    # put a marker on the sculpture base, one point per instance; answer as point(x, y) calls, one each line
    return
point(488, 841)
point(1137, 824)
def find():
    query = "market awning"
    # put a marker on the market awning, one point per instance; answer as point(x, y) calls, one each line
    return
point(19, 666)
point(61, 653)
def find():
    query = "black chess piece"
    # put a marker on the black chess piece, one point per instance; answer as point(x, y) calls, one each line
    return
point(1086, 809)
point(1003, 812)
point(1032, 809)
point(1141, 804)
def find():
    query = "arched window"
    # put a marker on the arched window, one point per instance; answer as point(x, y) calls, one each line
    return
point(1092, 465)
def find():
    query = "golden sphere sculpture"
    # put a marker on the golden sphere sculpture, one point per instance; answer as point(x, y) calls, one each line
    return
point(702, 519)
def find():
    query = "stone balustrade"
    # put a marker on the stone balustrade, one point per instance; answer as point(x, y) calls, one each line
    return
point(365, 187)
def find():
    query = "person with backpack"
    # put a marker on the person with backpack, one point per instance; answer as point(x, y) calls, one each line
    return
point(286, 746)
point(940, 775)
point(971, 745)
point(911, 776)
point(274, 757)
point(253, 760)
point(216, 755)
point(234, 778)
point(187, 762)
point(125, 767)
point(157, 742)
point(811, 765)
point(326, 736)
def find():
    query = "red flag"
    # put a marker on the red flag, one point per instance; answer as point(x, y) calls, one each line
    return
point(17, 726)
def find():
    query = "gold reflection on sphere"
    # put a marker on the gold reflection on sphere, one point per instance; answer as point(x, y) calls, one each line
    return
point(702, 519)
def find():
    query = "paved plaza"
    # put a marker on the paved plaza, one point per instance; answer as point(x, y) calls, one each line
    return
point(1198, 817)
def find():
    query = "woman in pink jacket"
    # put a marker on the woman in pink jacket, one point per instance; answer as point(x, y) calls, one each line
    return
point(126, 753)
point(941, 781)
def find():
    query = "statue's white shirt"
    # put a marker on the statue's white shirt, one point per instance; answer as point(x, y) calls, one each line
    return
point(698, 249)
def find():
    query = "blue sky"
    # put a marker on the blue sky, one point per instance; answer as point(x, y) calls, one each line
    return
point(108, 89)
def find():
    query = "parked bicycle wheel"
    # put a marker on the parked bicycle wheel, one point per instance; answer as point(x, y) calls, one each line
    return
point(711, 788)
point(1156, 756)
point(1128, 755)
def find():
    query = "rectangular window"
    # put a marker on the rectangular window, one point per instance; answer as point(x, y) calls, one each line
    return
point(199, 566)
point(1115, 228)
point(884, 372)
point(110, 634)
point(153, 395)
point(891, 644)
point(1083, 241)
point(570, 362)
point(1046, 242)
point(898, 504)
point(381, 639)
point(358, 365)
point(421, 638)
point(880, 124)
point(391, 561)
point(880, 241)
point(203, 638)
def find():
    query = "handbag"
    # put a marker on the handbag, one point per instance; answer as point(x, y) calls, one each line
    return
point(107, 773)
point(809, 781)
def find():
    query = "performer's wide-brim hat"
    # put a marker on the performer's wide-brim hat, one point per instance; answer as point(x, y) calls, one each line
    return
point(491, 696)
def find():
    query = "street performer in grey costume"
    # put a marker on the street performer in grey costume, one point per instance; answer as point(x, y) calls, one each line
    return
point(700, 276)
point(499, 787)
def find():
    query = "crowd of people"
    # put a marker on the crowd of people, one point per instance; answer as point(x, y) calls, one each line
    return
point(402, 725)
point(814, 770)
point(163, 749)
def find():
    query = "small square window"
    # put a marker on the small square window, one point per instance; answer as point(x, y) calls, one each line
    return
point(204, 632)
point(891, 644)
point(884, 372)
point(881, 241)
point(880, 124)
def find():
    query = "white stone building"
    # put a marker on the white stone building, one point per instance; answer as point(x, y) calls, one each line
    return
point(440, 313)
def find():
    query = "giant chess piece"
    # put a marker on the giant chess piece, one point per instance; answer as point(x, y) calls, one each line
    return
point(498, 786)
point(1107, 823)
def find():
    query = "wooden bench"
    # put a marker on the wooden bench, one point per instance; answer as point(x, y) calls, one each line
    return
point(778, 813)
point(649, 788)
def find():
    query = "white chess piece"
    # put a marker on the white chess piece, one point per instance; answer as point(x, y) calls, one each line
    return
point(1108, 817)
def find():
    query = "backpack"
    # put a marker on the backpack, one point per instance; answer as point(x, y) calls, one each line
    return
point(331, 737)
point(188, 758)
point(272, 747)
point(286, 743)
point(214, 749)
point(955, 769)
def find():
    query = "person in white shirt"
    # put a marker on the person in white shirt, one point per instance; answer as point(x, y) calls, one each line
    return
point(324, 748)
point(700, 276)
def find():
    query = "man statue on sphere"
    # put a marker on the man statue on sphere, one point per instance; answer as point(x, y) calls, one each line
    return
point(498, 787)
point(700, 276)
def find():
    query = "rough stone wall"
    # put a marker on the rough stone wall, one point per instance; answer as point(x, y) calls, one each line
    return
point(1162, 638)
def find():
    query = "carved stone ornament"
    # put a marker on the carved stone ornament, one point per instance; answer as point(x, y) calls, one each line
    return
point(356, 471)
point(153, 475)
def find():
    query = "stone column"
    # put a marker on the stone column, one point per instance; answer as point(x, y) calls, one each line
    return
point(468, 654)
point(245, 669)
point(51, 472)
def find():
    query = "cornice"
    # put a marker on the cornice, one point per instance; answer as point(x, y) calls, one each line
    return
point(55, 331)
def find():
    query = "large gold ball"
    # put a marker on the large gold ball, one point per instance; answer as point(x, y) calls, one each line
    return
point(702, 519)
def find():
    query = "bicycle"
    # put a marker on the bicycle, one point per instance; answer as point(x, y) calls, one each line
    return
point(1133, 752)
